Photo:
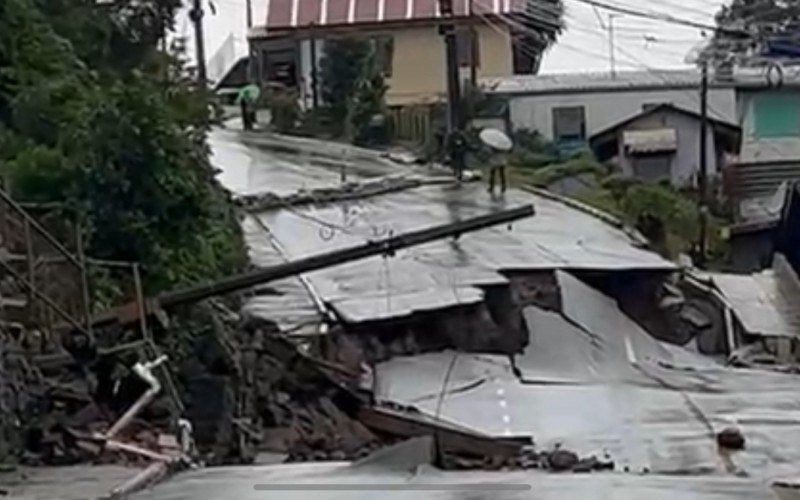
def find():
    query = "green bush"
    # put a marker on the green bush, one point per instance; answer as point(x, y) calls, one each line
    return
point(94, 116)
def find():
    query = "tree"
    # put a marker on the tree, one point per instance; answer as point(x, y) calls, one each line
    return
point(353, 86)
point(93, 115)
point(745, 26)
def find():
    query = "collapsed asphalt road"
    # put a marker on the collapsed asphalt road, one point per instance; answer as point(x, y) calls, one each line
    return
point(605, 385)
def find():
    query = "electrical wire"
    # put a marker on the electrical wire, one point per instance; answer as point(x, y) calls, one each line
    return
point(660, 16)
point(533, 52)
point(594, 32)
point(694, 96)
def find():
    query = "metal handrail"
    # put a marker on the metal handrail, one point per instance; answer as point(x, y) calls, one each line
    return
point(50, 302)
point(40, 229)
point(29, 223)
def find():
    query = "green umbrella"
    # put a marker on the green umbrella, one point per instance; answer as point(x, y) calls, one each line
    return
point(249, 94)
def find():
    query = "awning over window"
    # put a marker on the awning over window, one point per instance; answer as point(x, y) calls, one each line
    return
point(650, 141)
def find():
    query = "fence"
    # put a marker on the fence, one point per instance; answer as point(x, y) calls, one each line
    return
point(413, 124)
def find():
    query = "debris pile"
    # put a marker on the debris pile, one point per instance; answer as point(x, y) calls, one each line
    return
point(556, 460)
point(344, 192)
point(307, 407)
point(16, 400)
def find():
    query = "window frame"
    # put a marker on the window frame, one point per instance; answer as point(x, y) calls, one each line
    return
point(568, 137)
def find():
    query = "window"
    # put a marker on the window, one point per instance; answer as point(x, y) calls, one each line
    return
point(464, 48)
point(569, 124)
point(651, 168)
point(776, 115)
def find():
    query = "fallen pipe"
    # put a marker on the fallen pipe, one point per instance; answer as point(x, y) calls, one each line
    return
point(152, 474)
point(162, 464)
point(113, 445)
point(145, 372)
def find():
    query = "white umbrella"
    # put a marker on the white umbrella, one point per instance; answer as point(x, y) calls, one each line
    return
point(496, 139)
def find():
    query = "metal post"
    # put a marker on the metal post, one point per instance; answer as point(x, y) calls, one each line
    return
point(150, 343)
point(314, 75)
point(249, 13)
point(703, 174)
point(611, 56)
point(453, 84)
point(251, 59)
point(473, 54)
point(29, 258)
point(85, 301)
point(454, 143)
point(3, 218)
point(137, 283)
point(196, 16)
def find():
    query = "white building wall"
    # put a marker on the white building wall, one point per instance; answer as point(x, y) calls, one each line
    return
point(685, 164)
point(604, 109)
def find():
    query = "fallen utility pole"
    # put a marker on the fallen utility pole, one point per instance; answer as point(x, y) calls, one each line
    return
point(129, 313)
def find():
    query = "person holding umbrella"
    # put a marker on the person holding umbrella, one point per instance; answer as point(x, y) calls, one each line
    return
point(495, 146)
point(247, 99)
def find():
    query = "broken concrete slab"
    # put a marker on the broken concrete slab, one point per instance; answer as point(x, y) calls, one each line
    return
point(649, 405)
point(338, 481)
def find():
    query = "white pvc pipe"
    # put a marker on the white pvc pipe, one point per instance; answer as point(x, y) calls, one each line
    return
point(145, 372)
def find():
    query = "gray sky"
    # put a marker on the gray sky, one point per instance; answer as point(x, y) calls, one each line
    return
point(584, 46)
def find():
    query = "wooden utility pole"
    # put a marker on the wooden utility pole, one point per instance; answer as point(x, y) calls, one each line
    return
point(129, 313)
point(314, 74)
point(473, 48)
point(703, 174)
point(251, 53)
point(612, 60)
point(454, 140)
point(196, 16)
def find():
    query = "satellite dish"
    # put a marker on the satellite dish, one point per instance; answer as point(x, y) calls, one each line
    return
point(496, 139)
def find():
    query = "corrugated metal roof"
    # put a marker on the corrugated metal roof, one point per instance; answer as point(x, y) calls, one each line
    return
point(650, 141)
point(290, 14)
point(761, 179)
point(625, 80)
point(571, 82)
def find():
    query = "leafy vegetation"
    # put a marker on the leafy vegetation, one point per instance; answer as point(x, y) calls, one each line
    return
point(742, 23)
point(93, 115)
point(352, 84)
point(668, 217)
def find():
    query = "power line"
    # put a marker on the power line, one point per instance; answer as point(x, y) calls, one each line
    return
point(522, 27)
point(638, 62)
point(688, 8)
point(534, 55)
point(657, 16)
